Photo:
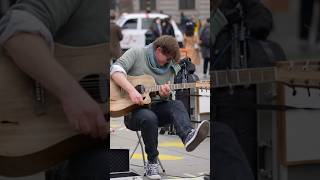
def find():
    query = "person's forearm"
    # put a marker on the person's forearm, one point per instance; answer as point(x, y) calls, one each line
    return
point(120, 79)
point(31, 54)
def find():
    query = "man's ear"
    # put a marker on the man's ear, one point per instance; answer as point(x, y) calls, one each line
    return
point(158, 49)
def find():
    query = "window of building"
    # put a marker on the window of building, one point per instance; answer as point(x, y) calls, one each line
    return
point(144, 4)
point(187, 4)
point(130, 24)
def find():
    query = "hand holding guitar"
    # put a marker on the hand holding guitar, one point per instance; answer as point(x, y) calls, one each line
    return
point(136, 97)
point(165, 90)
point(34, 58)
point(85, 115)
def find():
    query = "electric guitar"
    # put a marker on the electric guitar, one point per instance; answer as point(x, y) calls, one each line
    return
point(34, 131)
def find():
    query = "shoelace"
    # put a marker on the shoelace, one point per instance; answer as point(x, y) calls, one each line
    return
point(190, 135)
point(153, 169)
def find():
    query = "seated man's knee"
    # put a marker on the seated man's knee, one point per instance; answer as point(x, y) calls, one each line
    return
point(176, 104)
point(149, 119)
point(136, 119)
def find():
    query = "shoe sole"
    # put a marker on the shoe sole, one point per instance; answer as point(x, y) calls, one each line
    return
point(154, 178)
point(201, 134)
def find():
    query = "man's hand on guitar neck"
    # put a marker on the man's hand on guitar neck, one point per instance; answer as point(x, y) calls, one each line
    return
point(165, 90)
point(31, 54)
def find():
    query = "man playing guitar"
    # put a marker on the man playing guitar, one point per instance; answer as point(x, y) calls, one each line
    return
point(160, 60)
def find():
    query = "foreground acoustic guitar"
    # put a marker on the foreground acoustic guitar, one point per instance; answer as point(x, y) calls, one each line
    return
point(34, 132)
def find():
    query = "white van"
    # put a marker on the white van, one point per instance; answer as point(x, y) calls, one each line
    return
point(135, 25)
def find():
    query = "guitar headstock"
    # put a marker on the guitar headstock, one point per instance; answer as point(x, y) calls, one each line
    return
point(204, 84)
point(299, 73)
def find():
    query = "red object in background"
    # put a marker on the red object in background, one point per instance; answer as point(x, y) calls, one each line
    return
point(276, 5)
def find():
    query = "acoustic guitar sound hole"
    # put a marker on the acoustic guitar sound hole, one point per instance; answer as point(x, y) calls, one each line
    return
point(140, 89)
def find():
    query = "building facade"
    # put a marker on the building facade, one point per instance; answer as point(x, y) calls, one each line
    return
point(198, 8)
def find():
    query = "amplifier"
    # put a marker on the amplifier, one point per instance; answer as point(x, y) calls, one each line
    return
point(118, 160)
point(125, 176)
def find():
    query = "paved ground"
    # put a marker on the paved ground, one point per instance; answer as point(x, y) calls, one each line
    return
point(176, 161)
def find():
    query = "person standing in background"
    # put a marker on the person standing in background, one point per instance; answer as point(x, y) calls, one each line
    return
point(198, 26)
point(305, 23)
point(156, 28)
point(191, 43)
point(183, 20)
point(167, 28)
point(205, 46)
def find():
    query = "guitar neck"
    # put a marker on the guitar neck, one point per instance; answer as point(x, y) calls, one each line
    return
point(236, 77)
point(172, 87)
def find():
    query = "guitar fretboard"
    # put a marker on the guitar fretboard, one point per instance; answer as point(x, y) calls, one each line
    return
point(236, 77)
point(172, 87)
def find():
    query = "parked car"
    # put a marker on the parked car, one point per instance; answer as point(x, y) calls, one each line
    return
point(135, 25)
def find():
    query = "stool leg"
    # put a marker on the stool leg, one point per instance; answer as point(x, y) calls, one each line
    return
point(142, 150)
point(163, 170)
point(134, 150)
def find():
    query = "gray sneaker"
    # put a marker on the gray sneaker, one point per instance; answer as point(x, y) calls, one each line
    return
point(152, 171)
point(196, 136)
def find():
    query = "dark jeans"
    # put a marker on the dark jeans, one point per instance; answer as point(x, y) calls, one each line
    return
point(228, 160)
point(148, 120)
point(206, 65)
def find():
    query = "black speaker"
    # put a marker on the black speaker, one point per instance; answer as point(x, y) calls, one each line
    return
point(125, 176)
point(186, 75)
point(118, 160)
point(184, 96)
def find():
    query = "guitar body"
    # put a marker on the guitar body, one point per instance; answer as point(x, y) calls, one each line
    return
point(34, 131)
point(120, 102)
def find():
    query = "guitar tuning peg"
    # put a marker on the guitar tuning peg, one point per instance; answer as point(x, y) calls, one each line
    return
point(231, 92)
point(294, 91)
point(308, 88)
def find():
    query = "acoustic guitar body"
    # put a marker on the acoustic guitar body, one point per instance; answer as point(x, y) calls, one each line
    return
point(34, 131)
point(120, 102)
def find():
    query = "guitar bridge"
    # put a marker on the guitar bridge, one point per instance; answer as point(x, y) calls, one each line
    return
point(40, 99)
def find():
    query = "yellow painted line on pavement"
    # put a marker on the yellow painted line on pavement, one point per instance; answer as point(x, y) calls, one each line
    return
point(164, 157)
point(114, 125)
point(177, 144)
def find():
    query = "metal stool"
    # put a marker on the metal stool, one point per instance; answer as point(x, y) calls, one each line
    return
point(142, 151)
